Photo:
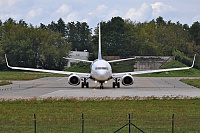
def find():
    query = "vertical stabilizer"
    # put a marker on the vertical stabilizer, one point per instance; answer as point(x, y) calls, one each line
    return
point(99, 53)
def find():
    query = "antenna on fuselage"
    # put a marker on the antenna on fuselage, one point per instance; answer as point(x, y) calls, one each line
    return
point(99, 53)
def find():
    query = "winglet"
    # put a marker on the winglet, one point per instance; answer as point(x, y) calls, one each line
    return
point(193, 61)
point(7, 61)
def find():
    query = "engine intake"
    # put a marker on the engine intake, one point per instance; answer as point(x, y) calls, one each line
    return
point(74, 80)
point(127, 80)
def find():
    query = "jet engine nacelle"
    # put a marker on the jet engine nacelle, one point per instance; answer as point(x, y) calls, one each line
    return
point(74, 80)
point(127, 80)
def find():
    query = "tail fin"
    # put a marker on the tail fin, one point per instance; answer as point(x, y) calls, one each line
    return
point(99, 53)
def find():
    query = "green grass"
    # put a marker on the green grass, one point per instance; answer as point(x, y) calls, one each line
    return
point(64, 115)
point(193, 82)
point(79, 67)
point(20, 75)
point(124, 66)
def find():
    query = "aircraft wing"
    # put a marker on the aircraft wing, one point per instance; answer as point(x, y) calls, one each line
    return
point(117, 75)
point(82, 75)
point(78, 60)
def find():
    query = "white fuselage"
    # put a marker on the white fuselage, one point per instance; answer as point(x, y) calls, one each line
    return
point(101, 70)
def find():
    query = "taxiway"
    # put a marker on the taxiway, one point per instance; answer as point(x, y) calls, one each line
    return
point(57, 87)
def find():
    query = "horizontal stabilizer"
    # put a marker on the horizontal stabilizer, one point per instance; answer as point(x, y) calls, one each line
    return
point(78, 60)
point(121, 60)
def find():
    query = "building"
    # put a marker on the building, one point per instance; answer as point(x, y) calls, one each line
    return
point(77, 55)
point(151, 62)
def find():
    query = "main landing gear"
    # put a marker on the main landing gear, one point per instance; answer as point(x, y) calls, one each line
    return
point(116, 83)
point(85, 83)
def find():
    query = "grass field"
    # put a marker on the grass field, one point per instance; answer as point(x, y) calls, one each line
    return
point(64, 115)
point(193, 82)
point(6, 77)
point(21, 75)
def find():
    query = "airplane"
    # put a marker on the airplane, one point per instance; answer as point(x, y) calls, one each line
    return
point(101, 71)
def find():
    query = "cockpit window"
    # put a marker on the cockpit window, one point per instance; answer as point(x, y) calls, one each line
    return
point(101, 68)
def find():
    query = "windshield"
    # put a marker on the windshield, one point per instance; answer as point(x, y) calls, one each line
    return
point(101, 68)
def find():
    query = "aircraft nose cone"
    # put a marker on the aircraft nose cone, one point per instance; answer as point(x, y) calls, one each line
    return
point(102, 75)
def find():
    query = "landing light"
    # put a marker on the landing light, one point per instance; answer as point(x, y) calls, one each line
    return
point(106, 82)
point(95, 82)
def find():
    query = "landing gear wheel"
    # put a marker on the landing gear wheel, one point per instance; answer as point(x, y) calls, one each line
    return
point(113, 84)
point(116, 83)
point(101, 86)
point(85, 84)
point(82, 85)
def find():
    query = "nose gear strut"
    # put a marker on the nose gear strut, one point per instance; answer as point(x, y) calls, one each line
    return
point(101, 86)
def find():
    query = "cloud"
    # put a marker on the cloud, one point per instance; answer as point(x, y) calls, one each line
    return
point(113, 13)
point(8, 6)
point(63, 9)
point(142, 14)
point(34, 13)
point(10, 15)
point(101, 9)
point(73, 16)
point(196, 18)
point(102, 12)
point(78, 10)
point(160, 9)
point(96, 14)
point(7, 10)
point(7, 3)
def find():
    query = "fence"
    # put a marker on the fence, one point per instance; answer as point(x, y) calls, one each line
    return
point(84, 123)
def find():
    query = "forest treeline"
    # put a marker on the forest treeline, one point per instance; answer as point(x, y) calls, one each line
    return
point(44, 46)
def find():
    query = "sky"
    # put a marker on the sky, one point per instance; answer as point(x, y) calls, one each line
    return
point(93, 11)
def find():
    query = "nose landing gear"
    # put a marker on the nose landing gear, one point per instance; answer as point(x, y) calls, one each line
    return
point(101, 86)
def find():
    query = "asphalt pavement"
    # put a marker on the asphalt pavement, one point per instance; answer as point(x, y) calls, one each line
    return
point(57, 87)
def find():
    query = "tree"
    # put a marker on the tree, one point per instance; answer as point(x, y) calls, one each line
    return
point(28, 46)
point(195, 32)
point(79, 34)
point(114, 41)
point(44, 46)
point(61, 27)
point(160, 21)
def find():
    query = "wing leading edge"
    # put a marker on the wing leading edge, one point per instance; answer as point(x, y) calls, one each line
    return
point(154, 71)
point(85, 75)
